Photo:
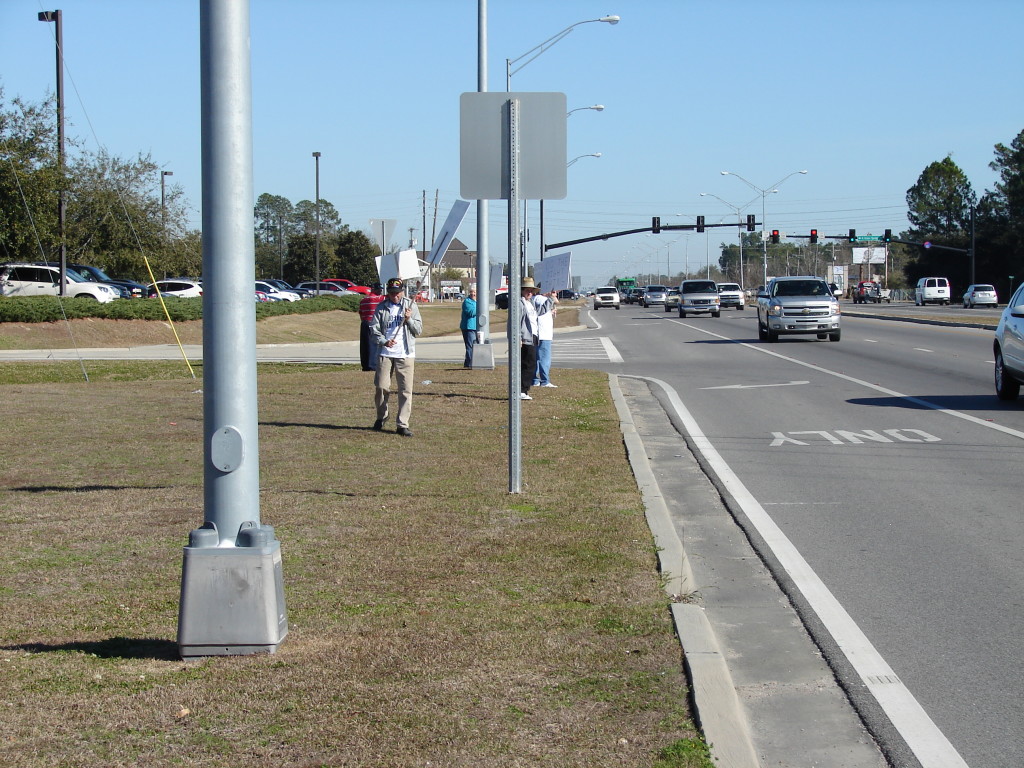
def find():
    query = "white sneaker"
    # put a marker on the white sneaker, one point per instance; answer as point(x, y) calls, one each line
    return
point(524, 396)
point(548, 384)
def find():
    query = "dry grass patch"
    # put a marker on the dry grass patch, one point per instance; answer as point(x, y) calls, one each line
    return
point(434, 618)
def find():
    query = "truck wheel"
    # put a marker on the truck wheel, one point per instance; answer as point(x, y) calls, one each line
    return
point(772, 336)
point(741, 307)
point(716, 314)
point(681, 313)
point(762, 333)
point(834, 336)
point(597, 307)
point(668, 308)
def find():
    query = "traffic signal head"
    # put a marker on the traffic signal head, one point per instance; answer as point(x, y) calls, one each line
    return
point(814, 235)
point(887, 237)
point(853, 235)
point(656, 224)
point(775, 236)
point(750, 222)
point(700, 223)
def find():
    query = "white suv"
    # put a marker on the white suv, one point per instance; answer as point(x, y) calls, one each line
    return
point(606, 296)
point(42, 280)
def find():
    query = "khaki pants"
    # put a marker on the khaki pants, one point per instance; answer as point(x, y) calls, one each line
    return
point(401, 368)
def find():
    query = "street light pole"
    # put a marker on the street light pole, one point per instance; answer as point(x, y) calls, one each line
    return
point(772, 189)
point(57, 18)
point(163, 200)
point(316, 247)
point(739, 219)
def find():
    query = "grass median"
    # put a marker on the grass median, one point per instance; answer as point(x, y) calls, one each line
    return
point(435, 619)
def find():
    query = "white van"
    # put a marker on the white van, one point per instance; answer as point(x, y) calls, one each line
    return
point(931, 290)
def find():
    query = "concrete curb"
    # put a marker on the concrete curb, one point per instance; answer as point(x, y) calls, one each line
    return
point(717, 707)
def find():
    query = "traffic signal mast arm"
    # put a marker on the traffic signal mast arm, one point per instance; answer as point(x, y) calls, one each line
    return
point(655, 228)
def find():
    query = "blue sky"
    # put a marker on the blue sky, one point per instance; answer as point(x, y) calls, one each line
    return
point(863, 95)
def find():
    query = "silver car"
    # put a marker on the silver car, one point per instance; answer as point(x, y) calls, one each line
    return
point(655, 294)
point(1008, 348)
point(980, 294)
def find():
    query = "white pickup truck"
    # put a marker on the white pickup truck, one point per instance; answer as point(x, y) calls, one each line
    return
point(797, 305)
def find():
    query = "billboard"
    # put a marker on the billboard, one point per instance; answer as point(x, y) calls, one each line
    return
point(869, 255)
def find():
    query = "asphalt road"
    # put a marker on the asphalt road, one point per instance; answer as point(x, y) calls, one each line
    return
point(892, 468)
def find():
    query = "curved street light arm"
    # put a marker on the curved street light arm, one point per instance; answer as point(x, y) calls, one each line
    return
point(537, 50)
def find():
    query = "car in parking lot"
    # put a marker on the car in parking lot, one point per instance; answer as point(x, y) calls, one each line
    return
point(607, 296)
point(731, 295)
point(180, 287)
point(323, 288)
point(980, 294)
point(699, 297)
point(654, 295)
point(21, 279)
point(1008, 348)
point(274, 293)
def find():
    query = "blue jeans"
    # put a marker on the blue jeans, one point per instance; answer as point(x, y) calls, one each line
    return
point(543, 363)
point(469, 337)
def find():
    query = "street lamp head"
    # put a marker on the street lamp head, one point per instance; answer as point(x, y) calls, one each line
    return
point(725, 173)
point(610, 19)
point(316, 154)
point(167, 173)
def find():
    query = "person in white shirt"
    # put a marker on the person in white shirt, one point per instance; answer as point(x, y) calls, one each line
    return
point(544, 304)
point(527, 337)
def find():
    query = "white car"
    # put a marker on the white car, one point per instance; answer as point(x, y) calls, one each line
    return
point(980, 294)
point(274, 293)
point(699, 296)
point(1008, 348)
point(43, 280)
point(180, 287)
point(607, 296)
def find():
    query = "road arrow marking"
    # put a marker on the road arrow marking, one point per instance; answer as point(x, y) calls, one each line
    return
point(759, 386)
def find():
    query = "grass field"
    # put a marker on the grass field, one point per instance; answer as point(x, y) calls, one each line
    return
point(434, 618)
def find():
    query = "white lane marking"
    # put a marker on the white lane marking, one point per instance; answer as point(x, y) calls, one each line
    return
point(907, 715)
point(613, 353)
point(758, 386)
point(869, 385)
point(871, 341)
point(922, 349)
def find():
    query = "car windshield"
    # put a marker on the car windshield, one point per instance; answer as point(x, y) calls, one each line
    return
point(656, 288)
point(606, 290)
point(728, 287)
point(77, 277)
point(801, 288)
point(702, 286)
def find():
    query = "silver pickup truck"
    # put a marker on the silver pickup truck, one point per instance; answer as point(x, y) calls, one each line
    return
point(797, 305)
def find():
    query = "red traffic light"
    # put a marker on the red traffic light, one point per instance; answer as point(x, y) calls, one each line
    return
point(775, 236)
point(814, 235)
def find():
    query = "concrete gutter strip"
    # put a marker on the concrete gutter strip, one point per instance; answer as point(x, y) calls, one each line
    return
point(718, 710)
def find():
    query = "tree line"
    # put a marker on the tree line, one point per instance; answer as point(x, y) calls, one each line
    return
point(116, 217)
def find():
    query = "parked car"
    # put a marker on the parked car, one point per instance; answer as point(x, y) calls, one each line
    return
point(349, 285)
point(324, 288)
point(672, 299)
point(286, 286)
point(698, 297)
point(797, 305)
point(180, 287)
point(127, 288)
point(654, 295)
point(275, 293)
point(1008, 348)
point(931, 290)
point(607, 296)
point(980, 294)
point(501, 300)
point(22, 279)
point(731, 295)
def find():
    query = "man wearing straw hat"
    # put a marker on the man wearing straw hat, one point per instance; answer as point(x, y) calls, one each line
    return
point(528, 330)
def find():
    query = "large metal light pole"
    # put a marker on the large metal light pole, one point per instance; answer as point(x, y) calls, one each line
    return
point(533, 53)
point(771, 189)
point(57, 18)
point(316, 247)
point(163, 200)
point(232, 593)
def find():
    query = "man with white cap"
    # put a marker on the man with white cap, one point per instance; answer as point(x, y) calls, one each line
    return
point(396, 324)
